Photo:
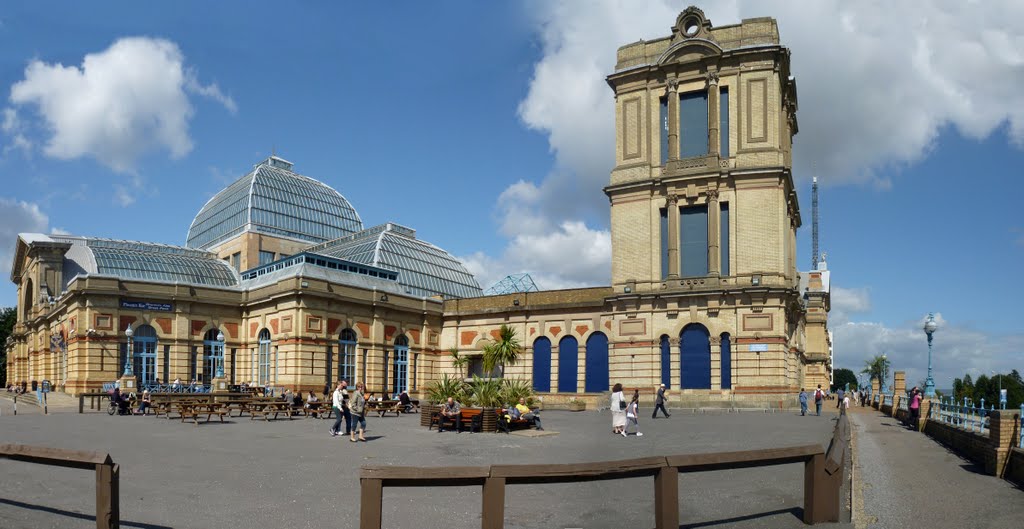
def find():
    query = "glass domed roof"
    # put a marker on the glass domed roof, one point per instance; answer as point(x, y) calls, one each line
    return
point(274, 200)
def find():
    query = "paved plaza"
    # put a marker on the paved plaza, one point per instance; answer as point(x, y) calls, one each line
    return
point(291, 474)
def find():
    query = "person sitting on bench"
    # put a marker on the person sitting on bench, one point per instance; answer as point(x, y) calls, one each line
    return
point(525, 413)
point(146, 402)
point(450, 410)
point(406, 402)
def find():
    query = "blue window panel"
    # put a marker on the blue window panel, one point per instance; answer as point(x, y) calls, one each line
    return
point(724, 228)
point(666, 361)
point(596, 364)
point(693, 124)
point(664, 243)
point(664, 130)
point(542, 365)
point(726, 361)
point(693, 243)
point(266, 257)
point(723, 121)
point(694, 357)
point(568, 370)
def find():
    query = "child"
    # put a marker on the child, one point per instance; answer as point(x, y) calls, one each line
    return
point(632, 412)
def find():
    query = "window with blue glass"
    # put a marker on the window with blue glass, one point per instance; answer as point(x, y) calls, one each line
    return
point(264, 359)
point(693, 124)
point(213, 355)
point(347, 356)
point(266, 257)
point(401, 369)
point(724, 228)
point(144, 351)
point(693, 240)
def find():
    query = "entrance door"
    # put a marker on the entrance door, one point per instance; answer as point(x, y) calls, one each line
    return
point(401, 376)
point(695, 357)
point(144, 350)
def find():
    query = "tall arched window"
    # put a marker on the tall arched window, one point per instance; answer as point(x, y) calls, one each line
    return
point(401, 374)
point(695, 357)
point(144, 353)
point(726, 361)
point(213, 355)
point(27, 306)
point(568, 369)
point(596, 364)
point(666, 361)
point(542, 365)
point(264, 358)
point(347, 356)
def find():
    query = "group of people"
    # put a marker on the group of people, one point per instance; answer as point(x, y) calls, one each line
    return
point(842, 397)
point(350, 409)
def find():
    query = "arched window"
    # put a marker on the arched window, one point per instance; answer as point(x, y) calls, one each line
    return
point(264, 358)
point(144, 353)
point(213, 355)
point(347, 356)
point(596, 364)
point(666, 361)
point(401, 368)
point(726, 361)
point(27, 306)
point(542, 365)
point(568, 370)
point(695, 357)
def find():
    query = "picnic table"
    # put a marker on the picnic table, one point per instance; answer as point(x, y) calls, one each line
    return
point(320, 409)
point(195, 409)
point(241, 404)
point(385, 406)
point(265, 408)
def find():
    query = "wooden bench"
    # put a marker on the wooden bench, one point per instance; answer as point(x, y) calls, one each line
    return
point(471, 418)
point(506, 423)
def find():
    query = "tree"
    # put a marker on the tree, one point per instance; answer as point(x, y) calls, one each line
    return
point(459, 362)
point(841, 377)
point(877, 367)
point(502, 352)
point(8, 317)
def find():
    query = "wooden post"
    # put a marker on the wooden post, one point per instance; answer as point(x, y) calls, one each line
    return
point(666, 498)
point(81, 403)
point(814, 470)
point(108, 515)
point(371, 503)
point(494, 504)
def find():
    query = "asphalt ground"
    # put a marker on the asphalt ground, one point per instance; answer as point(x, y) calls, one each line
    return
point(292, 474)
point(903, 478)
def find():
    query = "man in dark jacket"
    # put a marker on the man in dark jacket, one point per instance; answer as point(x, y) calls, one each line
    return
point(659, 403)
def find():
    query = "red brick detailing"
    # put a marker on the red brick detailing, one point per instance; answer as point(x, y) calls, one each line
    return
point(253, 327)
point(273, 325)
point(467, 337)
point(124, 321)
point(555, 330)
point(165, 324)
point(414, 335)
point(332, 326)
point(197, 327)
point(582, 329)
point(389, 331)
point(364, 330)
point(496, 334)
point(232, 329)
point(608, 325)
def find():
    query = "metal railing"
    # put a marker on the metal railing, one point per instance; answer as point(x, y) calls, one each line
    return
point(903, 404)
point(887, 400)
point(963, 415)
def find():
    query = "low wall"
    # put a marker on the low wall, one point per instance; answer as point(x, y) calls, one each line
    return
point(971, 445)
point(1015, 467)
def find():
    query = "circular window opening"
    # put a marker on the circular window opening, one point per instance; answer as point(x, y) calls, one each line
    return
point(691, 27)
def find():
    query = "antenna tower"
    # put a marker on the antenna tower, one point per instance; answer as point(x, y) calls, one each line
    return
point(814, 224)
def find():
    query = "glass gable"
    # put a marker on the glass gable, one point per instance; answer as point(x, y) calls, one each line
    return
point(155, 262)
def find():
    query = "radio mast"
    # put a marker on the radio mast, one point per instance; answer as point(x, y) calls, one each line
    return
point(814, 224)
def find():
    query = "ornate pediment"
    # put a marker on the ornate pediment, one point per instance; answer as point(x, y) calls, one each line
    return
point(691, 24)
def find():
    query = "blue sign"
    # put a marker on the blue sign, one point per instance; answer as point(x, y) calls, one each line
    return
point(759, 347)
point(146, 305)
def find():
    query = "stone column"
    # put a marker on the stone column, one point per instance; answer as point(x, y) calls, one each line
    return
point(1003, 435)
point(673, 119)
point(672, 210)
point(899, 383)
point(714, 143)
point(714, 234)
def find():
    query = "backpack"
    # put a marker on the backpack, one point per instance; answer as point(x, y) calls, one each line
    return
point(817, 396)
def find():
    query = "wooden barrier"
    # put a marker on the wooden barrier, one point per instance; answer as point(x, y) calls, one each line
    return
point(108, 515)
point(823, 478)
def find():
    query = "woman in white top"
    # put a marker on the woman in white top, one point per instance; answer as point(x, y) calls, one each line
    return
point(618, 407)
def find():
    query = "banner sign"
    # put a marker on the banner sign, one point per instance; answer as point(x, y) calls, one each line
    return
point(759, 347)
point(146, 305)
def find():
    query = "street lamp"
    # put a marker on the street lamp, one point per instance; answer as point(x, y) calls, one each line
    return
point(882, 388)
point(128, 359)
point(930, 326)
point(220, 355)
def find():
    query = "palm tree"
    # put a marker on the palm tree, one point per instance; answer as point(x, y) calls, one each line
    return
point(877, 367)
point(502, 352)
point(459, 362)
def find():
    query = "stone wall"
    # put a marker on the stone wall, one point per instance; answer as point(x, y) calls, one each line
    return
point(1015, 467)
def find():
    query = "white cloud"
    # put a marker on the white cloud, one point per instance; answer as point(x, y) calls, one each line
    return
point(17, 217)
point(13, 128)
point(847, 301)
point(122, 103)
point(957, 349)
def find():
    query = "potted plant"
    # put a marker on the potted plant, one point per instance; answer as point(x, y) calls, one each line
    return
point(575, 404)
point(486, 393)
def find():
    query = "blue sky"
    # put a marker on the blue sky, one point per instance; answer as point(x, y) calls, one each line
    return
point(488, 128)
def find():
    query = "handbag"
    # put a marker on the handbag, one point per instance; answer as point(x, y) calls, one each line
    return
point(622, 404)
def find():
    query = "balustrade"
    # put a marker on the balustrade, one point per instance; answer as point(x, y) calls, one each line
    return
point(966, 415)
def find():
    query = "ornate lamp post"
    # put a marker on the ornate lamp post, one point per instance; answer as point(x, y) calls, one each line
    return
point(930, 326)
point(128, 372)
point(220, 355)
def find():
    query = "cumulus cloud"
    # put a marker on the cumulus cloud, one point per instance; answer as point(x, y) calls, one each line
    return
point(847, 301)
point(16, 217)
point(122, 103)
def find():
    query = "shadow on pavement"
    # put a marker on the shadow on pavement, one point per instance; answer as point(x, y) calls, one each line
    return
point(795, 511)
point(78, 515)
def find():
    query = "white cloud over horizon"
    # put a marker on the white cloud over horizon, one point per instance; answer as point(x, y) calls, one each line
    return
point(17, 216)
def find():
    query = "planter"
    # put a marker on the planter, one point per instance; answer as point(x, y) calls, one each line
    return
point(490, 422)
point(426, 411)
point(577, 405)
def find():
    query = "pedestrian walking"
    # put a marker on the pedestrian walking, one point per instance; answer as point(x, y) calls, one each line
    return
point(819, 397)
point(803, 402)
point(338, 403)
point(633, 414)
point(844, 404)
point(659, 403)
point(357, 405)
point(618, 407)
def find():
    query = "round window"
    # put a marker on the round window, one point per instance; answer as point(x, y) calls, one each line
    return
point(691, 26)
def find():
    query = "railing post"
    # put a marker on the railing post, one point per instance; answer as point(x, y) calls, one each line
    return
point(371, 503)
point(493, 516)
point(108, 515)
point(81, 403)
point(666, 498)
